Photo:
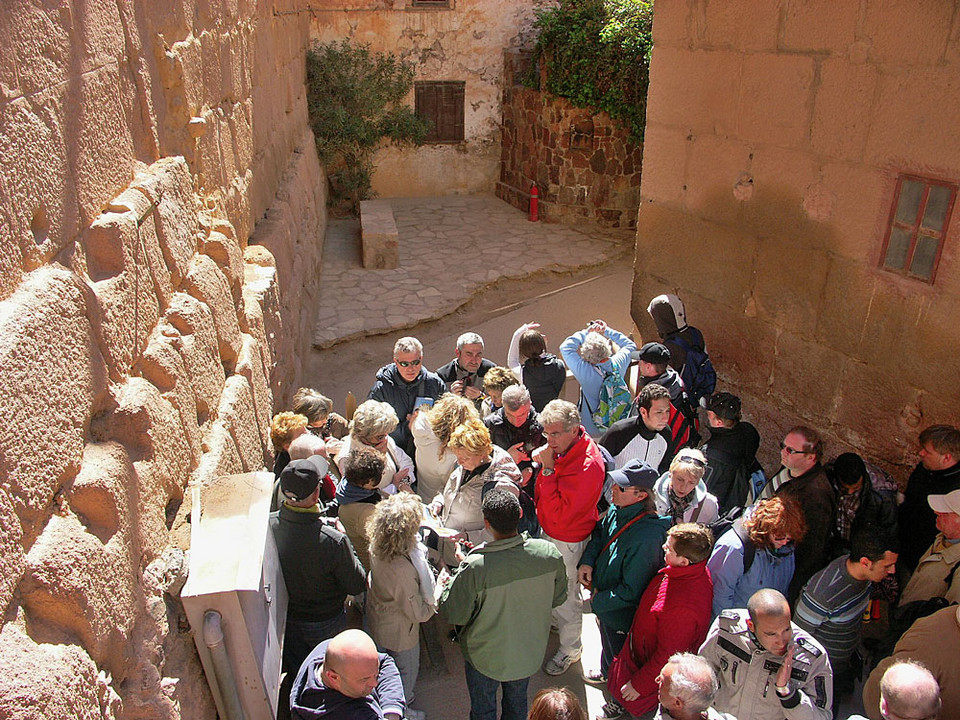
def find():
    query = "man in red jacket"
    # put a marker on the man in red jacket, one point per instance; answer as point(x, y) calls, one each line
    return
point(568, 489)
point(673, 616)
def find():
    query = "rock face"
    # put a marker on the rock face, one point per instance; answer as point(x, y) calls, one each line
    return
point(140, 323)
point(776, 137)
point(585, 165)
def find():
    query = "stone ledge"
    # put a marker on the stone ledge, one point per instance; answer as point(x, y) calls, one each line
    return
point(378, 235)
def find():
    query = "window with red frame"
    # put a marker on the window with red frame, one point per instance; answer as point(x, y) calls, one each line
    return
point(918, 226)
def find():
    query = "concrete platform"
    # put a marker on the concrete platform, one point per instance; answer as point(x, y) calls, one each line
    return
point(449, 248)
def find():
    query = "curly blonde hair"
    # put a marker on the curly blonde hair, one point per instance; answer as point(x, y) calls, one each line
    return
point(284, 427)
point(373, 418)
point(393, 526)
point(473, 437)
point(499, 378)
point(450, 412)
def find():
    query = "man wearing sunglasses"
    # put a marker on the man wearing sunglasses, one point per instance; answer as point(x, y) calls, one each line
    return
point(802, 479)
point(406, 384)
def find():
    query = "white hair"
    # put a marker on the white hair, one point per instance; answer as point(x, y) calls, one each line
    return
point(469, 338)
point(515, 397)
point(694, 681)
point(407, 345)
point(560, 411)
point(307, 445)
point(595, 348)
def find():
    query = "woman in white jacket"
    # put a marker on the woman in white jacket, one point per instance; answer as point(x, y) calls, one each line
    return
point(431, 432)
point(681, 493)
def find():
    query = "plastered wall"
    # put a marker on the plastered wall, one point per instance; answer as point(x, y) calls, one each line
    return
point(161, 217)
point(464, 41)
point(775, 133)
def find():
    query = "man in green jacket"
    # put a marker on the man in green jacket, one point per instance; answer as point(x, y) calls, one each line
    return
point(502, 595)
point(624, 553)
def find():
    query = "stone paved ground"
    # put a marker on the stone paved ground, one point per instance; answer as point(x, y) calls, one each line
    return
point(450, 248)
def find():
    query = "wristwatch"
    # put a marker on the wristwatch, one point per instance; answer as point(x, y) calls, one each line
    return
point(783, 691)
point(546, 471)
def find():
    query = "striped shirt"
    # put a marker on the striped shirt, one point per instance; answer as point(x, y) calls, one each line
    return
point(831, 608)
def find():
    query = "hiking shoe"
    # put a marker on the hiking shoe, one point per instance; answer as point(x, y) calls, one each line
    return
point(594, 676)
point(611, 710)
point(560, 663)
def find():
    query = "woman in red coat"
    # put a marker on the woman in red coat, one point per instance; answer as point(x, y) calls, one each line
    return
point(673, 616)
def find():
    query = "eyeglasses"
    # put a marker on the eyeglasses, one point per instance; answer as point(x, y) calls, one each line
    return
point(692, 460)
point(793, 451)
point(409, 363)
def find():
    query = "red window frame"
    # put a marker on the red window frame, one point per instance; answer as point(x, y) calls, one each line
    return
point(915, 228)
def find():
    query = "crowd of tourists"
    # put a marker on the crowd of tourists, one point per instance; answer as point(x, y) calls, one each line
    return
point(721, 589)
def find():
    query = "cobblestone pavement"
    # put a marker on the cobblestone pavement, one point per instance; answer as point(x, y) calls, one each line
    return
point(450, 248)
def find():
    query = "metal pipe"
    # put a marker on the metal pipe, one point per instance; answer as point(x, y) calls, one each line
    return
point(227, 683)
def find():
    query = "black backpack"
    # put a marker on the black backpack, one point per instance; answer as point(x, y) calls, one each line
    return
point(698, 374)
point(733, 518)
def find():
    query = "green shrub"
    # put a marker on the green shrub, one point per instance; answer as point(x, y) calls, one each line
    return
point(354, 100)
point(596, 53)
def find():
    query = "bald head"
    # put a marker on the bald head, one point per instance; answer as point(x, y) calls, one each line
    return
point(909, 690)
point(767, 603)
point(306, 445)
point(351, 664)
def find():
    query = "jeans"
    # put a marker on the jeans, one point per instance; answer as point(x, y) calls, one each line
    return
point(483, 696)
point(300, 638)
point(611, 643)
point(408, 663)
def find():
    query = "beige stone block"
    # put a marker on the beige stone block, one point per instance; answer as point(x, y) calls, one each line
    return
point(868, 409)
point(935, 331)
point(207, 284)
point(191, 325)
point(11, 259)
point(896, 309)
point(220, 457)
point(211, 176)
point(912, 121)
point(132, 200)
point(241, 134)
point(380, 240)
point(714, 167)
point(238, 414)
point(902, 32)
point(664, 162)
point(169, 186)
point(228, 256)
point(185, 72)
point(694, 90)
point(124, 288)
point(9, 84)
point(847, 294)
point(251, 366)
point(863, 197)
point(51, 374)
point(41, 45)
point(780, 168)
point(255, 299)
point(789, 287)
point(35, 181)
point(684, 251)
point(737, 25)
point(806, 376)
point(843, 108)
point(96, 41)
point(163, 365)
point(100, 494)
point(51, 680)
point(819, 26)
point(58, 591)
point(776, 98)
point(671, 24)
point(99, 142)
point(12, 559)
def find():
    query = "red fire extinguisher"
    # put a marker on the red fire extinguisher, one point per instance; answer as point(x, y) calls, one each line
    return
point(534, 204)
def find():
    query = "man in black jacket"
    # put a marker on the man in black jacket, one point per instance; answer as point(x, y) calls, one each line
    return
point(404, 384)
point(858, 505)
point(516, 428)
point(731, 452)
point(937, 473)
point(319, 566)
point(646, 436)
point(464, 374)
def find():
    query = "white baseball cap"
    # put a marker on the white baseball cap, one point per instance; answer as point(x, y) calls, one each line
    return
point(949, 503)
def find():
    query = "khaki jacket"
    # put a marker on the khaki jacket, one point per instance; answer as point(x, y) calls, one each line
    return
point(929, 580)
point(354, 517)
point(395, 604)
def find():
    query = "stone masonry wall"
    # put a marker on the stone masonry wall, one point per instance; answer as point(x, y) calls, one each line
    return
point(775, 134)
point(461, 41)
point(143, 336)
point(583, 163)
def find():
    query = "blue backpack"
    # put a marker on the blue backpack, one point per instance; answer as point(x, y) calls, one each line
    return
point(615, 401)
point(698, 374)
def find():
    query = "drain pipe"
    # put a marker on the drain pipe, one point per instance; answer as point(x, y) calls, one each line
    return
point(214, 640)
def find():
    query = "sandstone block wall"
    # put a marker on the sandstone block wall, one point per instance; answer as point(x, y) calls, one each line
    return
point(775, 134)
point(584, 165)
point(464, 42)
point(162, 213)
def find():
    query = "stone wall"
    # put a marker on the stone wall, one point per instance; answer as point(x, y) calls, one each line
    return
point(461, 42)
point(584, 164)
point(775, 135)
point(143, 338)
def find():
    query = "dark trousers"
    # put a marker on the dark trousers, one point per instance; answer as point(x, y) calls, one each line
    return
point(611, 642)
point(300, 638)
point(483, 696)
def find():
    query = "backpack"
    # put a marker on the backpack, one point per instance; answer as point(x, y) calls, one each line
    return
point(698, 374)
point(732, 519)
point(615, 400)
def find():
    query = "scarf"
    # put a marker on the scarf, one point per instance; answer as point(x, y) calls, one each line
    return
point(678, 505)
